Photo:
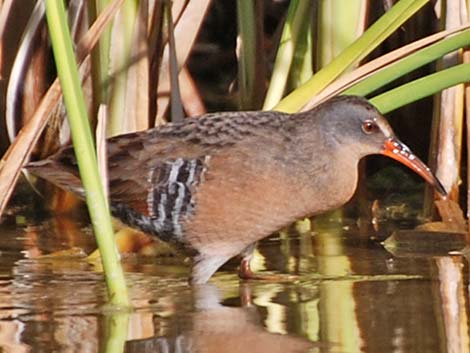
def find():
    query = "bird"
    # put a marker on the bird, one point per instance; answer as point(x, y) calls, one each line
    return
point(214, 185)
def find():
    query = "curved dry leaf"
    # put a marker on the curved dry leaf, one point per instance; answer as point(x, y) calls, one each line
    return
point(29, 77)
point(19, 71)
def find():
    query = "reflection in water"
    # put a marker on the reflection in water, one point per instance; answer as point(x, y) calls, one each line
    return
point(217, 328)
point(337, 305)
point(352, 296)
point(454, 302)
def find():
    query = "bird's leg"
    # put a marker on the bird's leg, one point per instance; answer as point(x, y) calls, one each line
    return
point(205, 266)
point(245, 271)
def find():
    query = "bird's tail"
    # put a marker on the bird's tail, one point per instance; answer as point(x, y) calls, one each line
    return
point(57, 174)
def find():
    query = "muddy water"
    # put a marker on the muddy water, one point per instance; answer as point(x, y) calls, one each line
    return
point(351, 296)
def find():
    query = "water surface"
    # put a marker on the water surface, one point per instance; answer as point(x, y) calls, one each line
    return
point(351, 296)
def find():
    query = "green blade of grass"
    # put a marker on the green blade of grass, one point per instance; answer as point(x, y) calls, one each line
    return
point(247, 57)
point(378, 32)
point(298, 9)
point(85, 153)
point(421, 88)
point(117, 326)
point(377, 65)
point(410, 63)
point(100, 56)
point(302, 63)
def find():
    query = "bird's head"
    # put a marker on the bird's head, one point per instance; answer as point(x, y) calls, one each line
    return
point(358, 127)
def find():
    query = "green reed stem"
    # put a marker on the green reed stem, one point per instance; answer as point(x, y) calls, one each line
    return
point(84, 150)
point(409, 63)
point(376, 33)
point(421, 88)
point(298, 10)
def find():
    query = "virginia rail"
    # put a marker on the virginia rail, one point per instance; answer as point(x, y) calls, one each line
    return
point(213, 186)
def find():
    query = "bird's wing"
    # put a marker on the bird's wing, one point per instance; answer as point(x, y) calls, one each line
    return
point(150, 173)
point(139, 161)
point(135, 162)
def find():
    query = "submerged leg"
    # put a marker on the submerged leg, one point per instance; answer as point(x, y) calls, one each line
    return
point(245, 271)
point(205, 266)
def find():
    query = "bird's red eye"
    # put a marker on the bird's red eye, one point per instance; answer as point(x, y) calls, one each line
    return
point(369, 127)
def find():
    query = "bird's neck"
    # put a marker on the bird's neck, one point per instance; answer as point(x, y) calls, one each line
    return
point(327, 179)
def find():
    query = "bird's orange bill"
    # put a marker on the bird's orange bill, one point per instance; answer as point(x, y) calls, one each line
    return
point(397, 150)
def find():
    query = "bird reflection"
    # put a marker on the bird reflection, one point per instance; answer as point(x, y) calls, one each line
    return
point(214, 327)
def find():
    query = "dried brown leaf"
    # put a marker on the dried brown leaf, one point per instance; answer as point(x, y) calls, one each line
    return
point(450, 212)
point(26, 82)
point(186, 31)
point(192, 100)
point(466, 59)
point(136, 100)
point(451, 113)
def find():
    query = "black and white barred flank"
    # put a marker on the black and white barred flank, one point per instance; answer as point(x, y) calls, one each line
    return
point(169, 199)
